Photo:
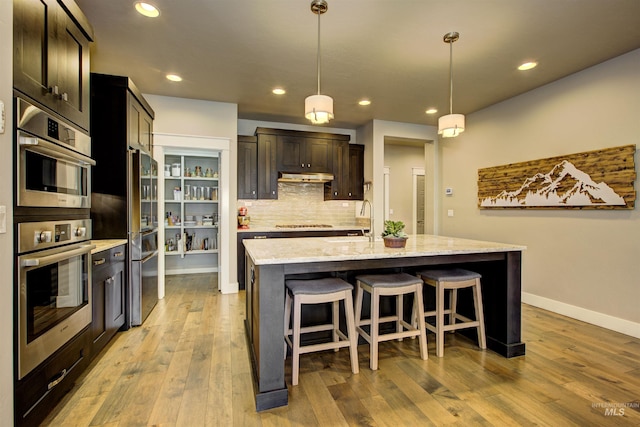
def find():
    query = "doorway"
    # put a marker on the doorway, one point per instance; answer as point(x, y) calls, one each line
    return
point(418, 201)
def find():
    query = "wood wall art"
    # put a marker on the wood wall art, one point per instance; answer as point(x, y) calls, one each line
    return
point(601, 179)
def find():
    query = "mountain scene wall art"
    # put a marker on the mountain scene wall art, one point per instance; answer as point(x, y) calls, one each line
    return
point(602, 179)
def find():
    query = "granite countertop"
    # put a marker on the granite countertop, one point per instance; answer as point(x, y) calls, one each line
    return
point(318, 249)
point(106, 244)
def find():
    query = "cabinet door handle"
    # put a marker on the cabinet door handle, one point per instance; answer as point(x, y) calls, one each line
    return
point(259, 237)
point(99, 261)
point(57, 381)
point(308, 165)
point(118, 254)
point(64, 96)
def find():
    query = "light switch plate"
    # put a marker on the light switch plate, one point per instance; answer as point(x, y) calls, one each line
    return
point(3, 219)
point(2, 117)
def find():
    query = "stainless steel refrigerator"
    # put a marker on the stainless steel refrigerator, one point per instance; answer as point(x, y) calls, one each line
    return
point(143, 235)
point(129, 210)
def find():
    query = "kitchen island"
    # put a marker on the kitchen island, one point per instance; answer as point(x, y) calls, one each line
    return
point(270, 262)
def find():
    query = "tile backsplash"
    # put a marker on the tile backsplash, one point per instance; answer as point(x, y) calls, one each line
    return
point(300, 203)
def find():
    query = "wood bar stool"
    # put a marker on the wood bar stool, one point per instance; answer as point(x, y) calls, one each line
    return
point(316, 291)
point(453, 280)
point(395, 285)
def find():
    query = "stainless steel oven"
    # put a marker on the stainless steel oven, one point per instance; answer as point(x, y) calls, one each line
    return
point(53, 160)
point(54, 287)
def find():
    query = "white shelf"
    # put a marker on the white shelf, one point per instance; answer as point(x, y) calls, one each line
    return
point(185, 253)
point(192, 178)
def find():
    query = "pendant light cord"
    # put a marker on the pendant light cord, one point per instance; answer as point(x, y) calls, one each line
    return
point(450, 77)
point(318, 59)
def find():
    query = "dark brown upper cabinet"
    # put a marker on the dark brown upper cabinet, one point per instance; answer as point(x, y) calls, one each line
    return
point(348, 172)
point(51, 56)
point(271, 151)
point(247, 167)
point(140, 122)
point(267, 171)
point(304, 154)
point(356, 172)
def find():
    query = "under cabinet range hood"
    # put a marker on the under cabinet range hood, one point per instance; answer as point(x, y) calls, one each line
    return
point(305, 177)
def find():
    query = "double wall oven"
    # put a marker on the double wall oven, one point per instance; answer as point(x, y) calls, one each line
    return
point(52, 163)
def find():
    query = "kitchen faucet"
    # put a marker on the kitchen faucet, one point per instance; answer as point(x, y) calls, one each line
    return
point(372, 235)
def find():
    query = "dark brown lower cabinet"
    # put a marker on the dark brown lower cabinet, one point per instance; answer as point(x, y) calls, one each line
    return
point(108, 295)
point(39, 392)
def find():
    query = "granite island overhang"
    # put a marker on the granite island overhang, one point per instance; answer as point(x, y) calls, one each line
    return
point(269, 262)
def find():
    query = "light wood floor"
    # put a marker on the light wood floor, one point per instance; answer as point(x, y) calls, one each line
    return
point(188, 366)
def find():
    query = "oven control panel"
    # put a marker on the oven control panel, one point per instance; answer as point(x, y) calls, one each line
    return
point(48, 234)
point(62, 232)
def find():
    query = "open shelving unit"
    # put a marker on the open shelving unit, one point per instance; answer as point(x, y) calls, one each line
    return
point(191, 212)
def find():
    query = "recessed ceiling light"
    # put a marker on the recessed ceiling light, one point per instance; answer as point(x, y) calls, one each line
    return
point(527, 66)
point(147, 9)
point(174, 77)
point(364, 102)
point(279, 91)
point(431, 111)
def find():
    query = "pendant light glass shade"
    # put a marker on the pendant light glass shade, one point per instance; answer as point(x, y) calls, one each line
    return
point(451, 125)
point(318, 109)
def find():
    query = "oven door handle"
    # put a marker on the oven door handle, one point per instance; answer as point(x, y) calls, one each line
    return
point(51, 149)
point(50, 259)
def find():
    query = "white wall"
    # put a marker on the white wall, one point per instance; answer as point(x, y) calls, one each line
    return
point(583, 263)
point(6, 200)
point(192, 117)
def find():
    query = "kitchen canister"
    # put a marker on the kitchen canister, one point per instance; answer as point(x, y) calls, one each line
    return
point(167, 170)
point(175, 169)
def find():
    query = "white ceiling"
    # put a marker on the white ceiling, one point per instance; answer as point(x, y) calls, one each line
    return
point(390, 51)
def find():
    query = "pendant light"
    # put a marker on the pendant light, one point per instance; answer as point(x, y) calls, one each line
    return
point(451, 125)
point(318, 108)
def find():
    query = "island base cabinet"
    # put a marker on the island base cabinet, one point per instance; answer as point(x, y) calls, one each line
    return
point(39, 392)
point(266, 358)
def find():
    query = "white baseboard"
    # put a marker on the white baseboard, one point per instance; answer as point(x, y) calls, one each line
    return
point(231, 288)
point(603, 320)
